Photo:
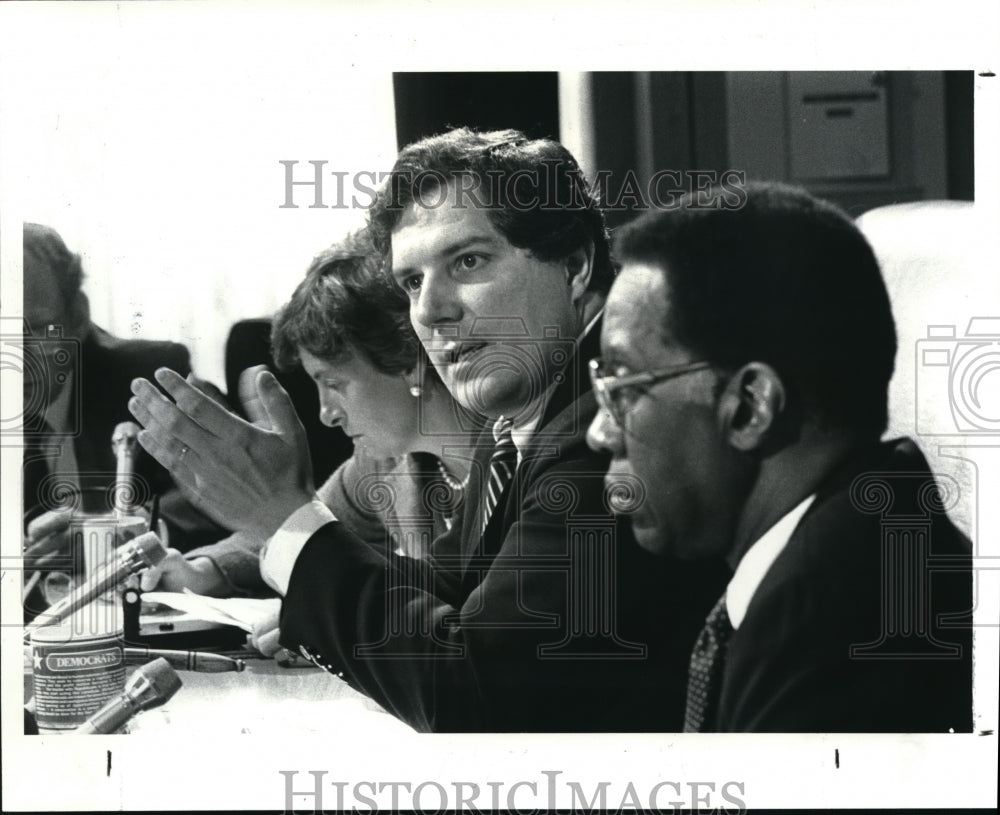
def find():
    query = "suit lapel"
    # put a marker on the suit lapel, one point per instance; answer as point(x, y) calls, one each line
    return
point(564, 420)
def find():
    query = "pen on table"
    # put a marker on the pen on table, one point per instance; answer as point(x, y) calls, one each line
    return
point(185, 660)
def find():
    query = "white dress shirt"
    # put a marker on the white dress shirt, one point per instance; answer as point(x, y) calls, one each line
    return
point(758, 560)
point(280, 553)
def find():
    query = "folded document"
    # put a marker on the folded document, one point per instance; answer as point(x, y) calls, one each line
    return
point(242, 612)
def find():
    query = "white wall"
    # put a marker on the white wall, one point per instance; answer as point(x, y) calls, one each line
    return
point(151, 142)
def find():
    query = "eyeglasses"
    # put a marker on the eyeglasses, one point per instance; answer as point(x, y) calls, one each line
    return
point(617, 394)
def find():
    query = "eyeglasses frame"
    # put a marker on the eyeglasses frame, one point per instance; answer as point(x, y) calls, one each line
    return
point(604, 386)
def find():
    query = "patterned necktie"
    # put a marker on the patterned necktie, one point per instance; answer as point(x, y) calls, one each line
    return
point(708, 658)
point(502, 465)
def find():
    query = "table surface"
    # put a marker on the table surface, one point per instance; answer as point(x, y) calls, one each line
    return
point(266, 699)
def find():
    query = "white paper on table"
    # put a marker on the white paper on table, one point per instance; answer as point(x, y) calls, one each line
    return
point(243, 612)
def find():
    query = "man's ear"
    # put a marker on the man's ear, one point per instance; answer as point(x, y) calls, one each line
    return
point(751, 405)
point(579, 266)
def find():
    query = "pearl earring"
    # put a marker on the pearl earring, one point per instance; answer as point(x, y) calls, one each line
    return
point(417, 389)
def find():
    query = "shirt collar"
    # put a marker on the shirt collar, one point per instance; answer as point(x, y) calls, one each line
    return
point(521, 434)
point(758, 560)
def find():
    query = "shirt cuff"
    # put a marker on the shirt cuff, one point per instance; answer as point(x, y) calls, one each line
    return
point(282, 550)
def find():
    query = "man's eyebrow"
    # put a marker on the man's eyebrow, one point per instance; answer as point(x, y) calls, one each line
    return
point(451, 249)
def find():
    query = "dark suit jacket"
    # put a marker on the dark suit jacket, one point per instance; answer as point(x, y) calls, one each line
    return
point(554, 621)
point(838, 585)
point(102, 388)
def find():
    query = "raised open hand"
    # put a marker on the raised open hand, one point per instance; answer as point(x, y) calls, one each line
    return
point(248, 477)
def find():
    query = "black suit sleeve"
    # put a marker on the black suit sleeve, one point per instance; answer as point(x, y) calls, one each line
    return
point(238, 557)
point(449, 648)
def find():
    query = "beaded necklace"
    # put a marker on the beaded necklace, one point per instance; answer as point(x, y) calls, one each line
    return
point(457, 489)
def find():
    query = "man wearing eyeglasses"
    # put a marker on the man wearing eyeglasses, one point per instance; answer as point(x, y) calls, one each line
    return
point(76, 380)
point(746, 360)
point(537, 611)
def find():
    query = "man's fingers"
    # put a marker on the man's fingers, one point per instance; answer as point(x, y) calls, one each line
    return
point(249, 397)
point(209, 487)
point(167, 421)
point(265, 634)
point(199, 407)
point(267, 643)
point(198, 476)
point(139, 407)
point(46, 524)
point(179, 459)
point(278, 406)
point(209, 390)
point(56, 542)
point(150, 578)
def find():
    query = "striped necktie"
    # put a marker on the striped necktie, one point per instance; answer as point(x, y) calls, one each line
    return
point(502, 465)
point(708, 658)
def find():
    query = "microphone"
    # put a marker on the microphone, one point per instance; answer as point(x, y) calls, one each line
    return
point(131, 557)
point(150, 686)
point(125, 445)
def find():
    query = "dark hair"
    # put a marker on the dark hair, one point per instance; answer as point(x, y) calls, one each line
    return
point(534, 192)
point(788, 280)
point(346, 305)
point(45, 246)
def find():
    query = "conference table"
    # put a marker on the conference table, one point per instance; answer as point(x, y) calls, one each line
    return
point(280, 695)
point(267, 698)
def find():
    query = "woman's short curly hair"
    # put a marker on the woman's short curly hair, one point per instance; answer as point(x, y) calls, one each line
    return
point(346, 305)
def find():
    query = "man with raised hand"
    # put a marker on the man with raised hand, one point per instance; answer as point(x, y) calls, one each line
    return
point(746, 359)
point(536, 611)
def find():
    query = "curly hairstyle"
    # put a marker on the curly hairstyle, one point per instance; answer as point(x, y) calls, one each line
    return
point(346, 305)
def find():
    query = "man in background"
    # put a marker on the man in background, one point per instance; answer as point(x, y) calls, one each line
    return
point(746, 359)
point(76, 391)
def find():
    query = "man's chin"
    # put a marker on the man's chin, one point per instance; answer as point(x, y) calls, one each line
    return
point(494, 394)
point(648, 535)
point(657, 541)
